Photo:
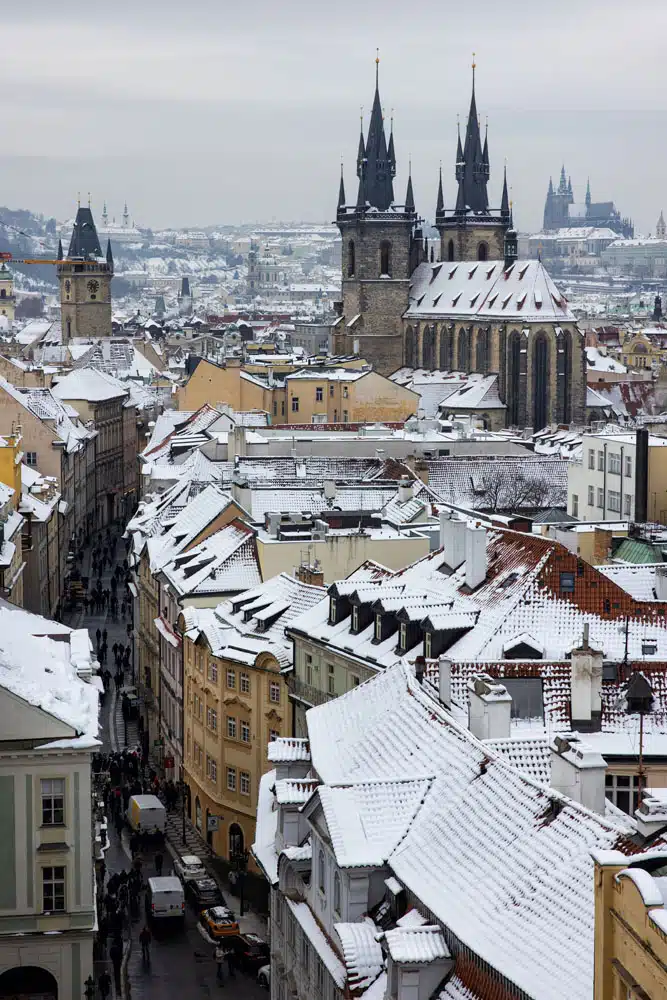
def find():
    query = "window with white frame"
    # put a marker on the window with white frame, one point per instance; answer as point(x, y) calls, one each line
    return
point(591, 458)
point(305, 954)
point(600, 502)
point(600, 461)
point(309, 668)
point(245, 731)
point(331, 683)
point(355, 618)
point(214, 770)
point(244, 682)
point(231, 779)
point(614, 500)
point(231, 727)
point(623, 791)
point(404, 636)
point(627, 505)
point(231, 678)
point(53, 889)
point(274, 692)
point(378, 628)
point(212, 719)
point(244, 782)
point(31, 458)
point(575, 505)
point(614, 463)
point(591, 496)
point(213, 672)
point(53, 801)
point(628, 465)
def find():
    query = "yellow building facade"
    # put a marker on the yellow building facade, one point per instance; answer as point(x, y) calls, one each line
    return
point(630, 926)
point(7, 297)
point(233, 710)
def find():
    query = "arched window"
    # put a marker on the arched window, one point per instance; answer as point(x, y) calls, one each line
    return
point(69, 327)
point(482, 351)
point(198, 813)
point(483, 251)
point(385, 257)
point(567, 377)
point(235, 840)
point(322, 873)
point(450, 250)
point(350, 259)
point(428, 348)
point(540, 381)
point(463, 360)
point(445, 349)
point(410, 359)
point(513, 379)
point(3, 294)
point(337, 893)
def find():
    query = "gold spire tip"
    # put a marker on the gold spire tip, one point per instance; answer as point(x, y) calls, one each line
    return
point(474, 64)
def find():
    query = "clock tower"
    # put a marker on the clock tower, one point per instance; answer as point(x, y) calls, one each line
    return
point(85, 282)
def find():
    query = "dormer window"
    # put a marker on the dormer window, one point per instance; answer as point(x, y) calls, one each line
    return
point(355, 618)
point(332, 610)
point(322, 873)
point(404, 636)
point(378, 628)
point(428, 642)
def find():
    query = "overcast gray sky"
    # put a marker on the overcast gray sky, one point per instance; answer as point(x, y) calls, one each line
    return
point(205, 112)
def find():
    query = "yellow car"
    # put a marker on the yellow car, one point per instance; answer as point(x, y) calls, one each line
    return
point(219, 922)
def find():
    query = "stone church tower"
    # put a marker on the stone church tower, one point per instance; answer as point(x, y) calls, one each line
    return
point(85, 282)
point(382, 246)
point(472, 231)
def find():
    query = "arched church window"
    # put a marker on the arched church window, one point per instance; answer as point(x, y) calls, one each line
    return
point(445, 349)
point(513, 378)
point(463, 361)
point(483, 251)
point(567, 377)
point(450, 250)
point(428, 348)
point(410, 347)
point(350, 259)
point(385, 257)
point(482, 352)
point(540, 381)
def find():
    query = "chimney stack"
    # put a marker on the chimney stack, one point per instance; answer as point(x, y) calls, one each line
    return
point(651, 816)
point(420, 664)
point(445, 681)
point(405, 491)
point(489, 708)
point(661, 581)
point(578, 771)
point(452, 539)
point(475, 555)
point(586, 686)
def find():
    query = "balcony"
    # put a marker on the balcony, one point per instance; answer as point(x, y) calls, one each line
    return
point(306, 692)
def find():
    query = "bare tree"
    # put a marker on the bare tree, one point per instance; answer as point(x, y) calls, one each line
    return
point(504, 491)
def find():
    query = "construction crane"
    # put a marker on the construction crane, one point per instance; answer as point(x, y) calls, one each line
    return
point(7, 257)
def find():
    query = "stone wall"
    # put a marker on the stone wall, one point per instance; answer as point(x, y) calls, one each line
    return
point(467, 237)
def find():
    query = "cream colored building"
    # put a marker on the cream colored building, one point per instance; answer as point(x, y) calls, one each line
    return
point(631, 917)
point(7, 297)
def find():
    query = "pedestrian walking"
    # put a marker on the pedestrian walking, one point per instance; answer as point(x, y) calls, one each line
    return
point(231, 962)
point(104, 636)
point(116, 955)
point(145, 941)
point(159, 860)
point(219, 956)
point(104, 983)
point(98, 636)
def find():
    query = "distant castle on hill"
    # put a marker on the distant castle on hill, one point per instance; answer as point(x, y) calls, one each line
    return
point(562, 212)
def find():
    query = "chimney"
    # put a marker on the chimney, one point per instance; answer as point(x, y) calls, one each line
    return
point(475, 555)
point(651, 816)
point(489, 708)
point(578, 771)
point(586, 686)
point(241, 492)
point(405, 491)
point(420, 664)
point(445, 681)
point(272, 524)
point(329, 489)
point(661, 581)
point(452, 539)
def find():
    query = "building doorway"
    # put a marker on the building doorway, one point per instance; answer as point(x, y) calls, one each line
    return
point(235, 841)
point(28, 982)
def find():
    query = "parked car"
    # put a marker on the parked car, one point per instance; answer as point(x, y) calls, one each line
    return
point(203, 893)
point(189, 866)
point(219, 922)
point(250, 950)
point(264, 976)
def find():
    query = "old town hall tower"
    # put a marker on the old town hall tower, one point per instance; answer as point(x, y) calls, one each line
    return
point(85, 282)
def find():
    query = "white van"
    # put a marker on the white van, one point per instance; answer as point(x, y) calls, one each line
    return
point(165, 899)
point(146, 814)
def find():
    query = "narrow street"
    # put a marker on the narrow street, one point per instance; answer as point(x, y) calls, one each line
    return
point(182, 963)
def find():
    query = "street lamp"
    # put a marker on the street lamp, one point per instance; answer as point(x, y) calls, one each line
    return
point(89, 991)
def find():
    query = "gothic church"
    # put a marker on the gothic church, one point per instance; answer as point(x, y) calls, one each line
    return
point(470, 306)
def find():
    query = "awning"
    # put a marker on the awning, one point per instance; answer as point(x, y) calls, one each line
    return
point(166, 632)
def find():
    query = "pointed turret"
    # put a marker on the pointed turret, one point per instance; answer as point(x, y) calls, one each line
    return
point(409, 196)
point(460, 163)
point(505, 202)
point(105, 216)
point(550, 190)
point(390, 151)
point(85, 241)
point(588, 193)
point(378, 187)
point(109, 256)
point(562, 187)
point(485, 151)
point(511, 244)
point(341, 190)
point(60, 250)
point(361, 152)
point(472, 164)
point(440, 204)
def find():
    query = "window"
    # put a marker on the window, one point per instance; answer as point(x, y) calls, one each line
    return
point(649, 647)
point(345, 416)
point(231, 779)
point(282, 408)
point(346, 392)
point(273, 734)
point(212, 719)
point(231, 679)
point(53, 889)
point(600, 461)
point(214, 770)
point(591, 496)
point(332, 610)
point(575, 505)
point(275, 408)
point(332, 680)
point(331, 390)
point(614, 464)
point(385, 257)
point(322, 872)
point(527, 697)
point(591, 458)
point(627, 505)
point(291, 929)
point(305, 954)
point(628, 465)
point(245, 683)
point(378, 628)
point(244, 778)
point(623, 791)
point(567, 583)
point(355, 618)
point(337, 893)
point(482, 252)
point(600, 497)
point(31, 458)
point(231, 727)
point(53, 801)
point(404, 636)
point(614, 500)
point(274, 692)
point(354, 681)
point(428, 644)
point(213, 672)
point(319, 394)
point(319, 976)
point(278, 908)
point(295, 404)
point(245, 731)
point(350, 259)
